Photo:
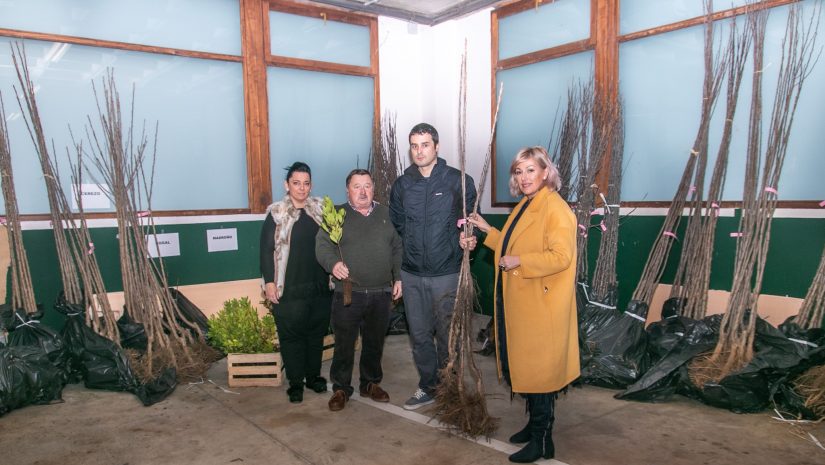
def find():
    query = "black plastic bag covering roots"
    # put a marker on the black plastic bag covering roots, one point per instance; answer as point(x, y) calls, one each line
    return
point(765, 380)
point(776, 361)
point(103, 365)
point(398, 320)
point(27, 376)
point(132, 333)
point(617, 352)
point(29, 332)
point(669, 375)
point(190, 312)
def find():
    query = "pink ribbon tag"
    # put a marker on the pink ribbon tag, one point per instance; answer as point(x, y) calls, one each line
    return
point(668, 233)
point(461, 222)
point(144, 214)
point(91, 248)
point(601, 225)
point(3, 219)
point(821, 204)
point(737, 234)
point(583, 230)
point(692, 189)
point(771, 190)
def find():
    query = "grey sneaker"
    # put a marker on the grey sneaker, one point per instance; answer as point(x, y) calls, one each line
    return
point(419, 399)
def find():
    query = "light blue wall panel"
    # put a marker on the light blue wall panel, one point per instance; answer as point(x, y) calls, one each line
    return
point(533, 95)
point(317, 39)
point(637, 15)
point(322, 119)
point(660, 79)
point(552, 24)
point(201, 152)
point(202, 25)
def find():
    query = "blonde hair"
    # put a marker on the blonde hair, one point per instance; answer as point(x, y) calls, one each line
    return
point(538, 155)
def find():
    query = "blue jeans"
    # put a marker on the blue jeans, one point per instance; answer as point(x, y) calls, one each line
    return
point(429, 302)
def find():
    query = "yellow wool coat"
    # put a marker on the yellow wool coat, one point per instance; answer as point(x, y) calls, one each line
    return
point(539, 295)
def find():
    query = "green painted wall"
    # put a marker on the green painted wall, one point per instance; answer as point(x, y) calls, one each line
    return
point(795, 250)
point(194, 265)
point(796, 247)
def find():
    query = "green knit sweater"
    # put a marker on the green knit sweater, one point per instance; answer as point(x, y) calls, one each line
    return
point(371, 248)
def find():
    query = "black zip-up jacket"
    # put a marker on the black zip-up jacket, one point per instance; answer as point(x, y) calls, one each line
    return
point(425, 211)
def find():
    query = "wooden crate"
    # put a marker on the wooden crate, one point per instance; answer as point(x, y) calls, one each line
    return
point(329, 346)
point(254, 369)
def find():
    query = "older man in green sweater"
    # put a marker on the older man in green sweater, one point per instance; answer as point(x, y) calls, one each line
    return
point(371, 251)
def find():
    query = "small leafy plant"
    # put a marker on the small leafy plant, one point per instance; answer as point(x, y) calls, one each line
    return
point(238, 329)
point(333, 224)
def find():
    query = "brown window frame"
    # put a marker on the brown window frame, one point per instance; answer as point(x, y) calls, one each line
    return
point(259, 161)
point(255, 58)
point(604, 41)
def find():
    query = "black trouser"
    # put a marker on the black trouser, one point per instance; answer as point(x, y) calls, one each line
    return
point(369, 313)
point(302, 325)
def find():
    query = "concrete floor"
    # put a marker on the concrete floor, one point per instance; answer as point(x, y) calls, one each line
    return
point(202, 424)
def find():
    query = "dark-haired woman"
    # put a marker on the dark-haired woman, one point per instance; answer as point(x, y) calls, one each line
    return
point(535, 313)
point(295, 283)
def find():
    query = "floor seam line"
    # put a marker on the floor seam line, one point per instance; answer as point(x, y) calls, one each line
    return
point(495, 444)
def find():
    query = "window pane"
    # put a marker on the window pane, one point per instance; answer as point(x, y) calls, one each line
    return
point(317, 39)
point(637, 15)
point(533, 95)
point(661, 83)
point(198, 104)
point(552, 24)
point(201, 25)
point(322, 119)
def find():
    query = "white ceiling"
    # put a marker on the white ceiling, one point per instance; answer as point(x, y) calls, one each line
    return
point(427, 12)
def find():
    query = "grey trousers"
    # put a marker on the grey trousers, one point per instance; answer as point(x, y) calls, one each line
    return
point(428, 303)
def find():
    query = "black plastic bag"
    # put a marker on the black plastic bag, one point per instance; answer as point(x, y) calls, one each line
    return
point(486, 337)
point(669, 375)
point(30, 332)
point(617, 352)
point(592, 314)
point(27, 376)
point(104, 365)
point(9, 318)
point(776, 361)
point(664, 335)
point(190, 314)
point(398, 320)
point(132, 333)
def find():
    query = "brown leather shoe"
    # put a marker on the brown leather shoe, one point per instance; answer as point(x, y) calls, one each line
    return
point(338, 400)
point(374, 392)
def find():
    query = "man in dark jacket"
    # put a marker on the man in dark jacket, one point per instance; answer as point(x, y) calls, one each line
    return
point(425, 206)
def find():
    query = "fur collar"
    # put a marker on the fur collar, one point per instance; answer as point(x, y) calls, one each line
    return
point(285, 215)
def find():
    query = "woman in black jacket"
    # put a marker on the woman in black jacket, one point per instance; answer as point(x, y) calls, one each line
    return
point(294, 282)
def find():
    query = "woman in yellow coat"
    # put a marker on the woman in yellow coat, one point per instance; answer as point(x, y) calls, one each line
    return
point(537, 350)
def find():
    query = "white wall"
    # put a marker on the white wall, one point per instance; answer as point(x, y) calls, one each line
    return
point(420, 79)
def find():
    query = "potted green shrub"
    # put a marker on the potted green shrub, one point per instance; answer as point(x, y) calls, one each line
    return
point(250, 343)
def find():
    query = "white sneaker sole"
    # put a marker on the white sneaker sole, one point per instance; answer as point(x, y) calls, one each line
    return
point(417, 406)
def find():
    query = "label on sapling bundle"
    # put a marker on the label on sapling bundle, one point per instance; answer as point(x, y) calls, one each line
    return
point(222, 240)
point(163, 245)
point(92, 197)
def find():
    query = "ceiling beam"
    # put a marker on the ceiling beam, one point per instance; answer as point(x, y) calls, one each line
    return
point(455, 11)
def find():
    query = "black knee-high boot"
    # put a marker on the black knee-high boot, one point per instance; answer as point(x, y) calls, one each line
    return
point(524, 435)
point(542, 415)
